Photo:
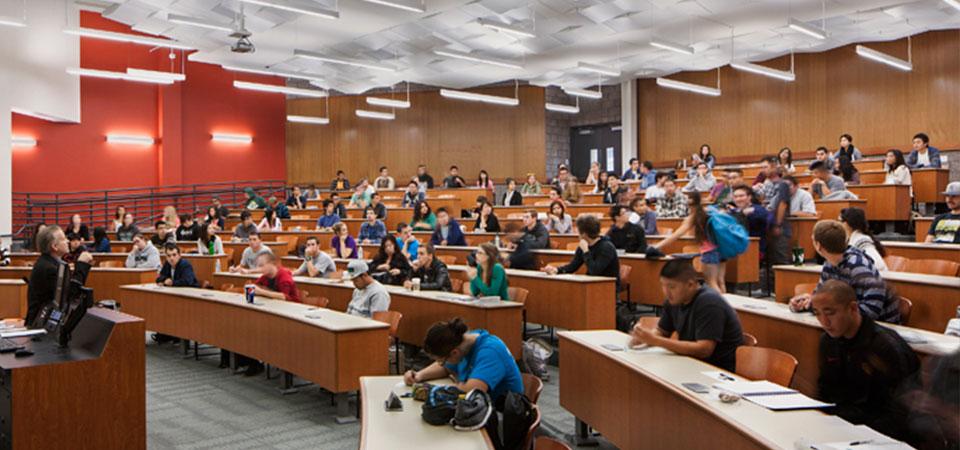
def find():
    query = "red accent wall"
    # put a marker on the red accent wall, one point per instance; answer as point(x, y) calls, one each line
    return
point(74, 157)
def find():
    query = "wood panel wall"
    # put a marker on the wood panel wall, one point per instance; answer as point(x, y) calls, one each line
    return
point(435, 131)
point(835, 92)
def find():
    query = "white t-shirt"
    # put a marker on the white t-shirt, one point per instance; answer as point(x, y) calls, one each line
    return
point(802, 201)
point(865, 243)
point(923, 159)
point(654, 192)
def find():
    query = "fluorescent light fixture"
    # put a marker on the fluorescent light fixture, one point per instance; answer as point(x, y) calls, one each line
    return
point(585, 93)
point(809, 30)
point(672, 46)
point(308, 119)
point(690, 87)
point(21, 141)
point(12, 22)
point(277, 73)
point(598, 69)
point(388, 102)
point(110, 75)
point(313, 93)
point(141, 73)
point(348, 62)
point(763, 70)
point(884, 58)
point(569, 109)
point(129, 139)
point(375, 114)
point(231, 138)
point(129, 38)
point(192, 21)
point(400, 5)
point(475, 97)
point(300, 9)
point(504, 28)
point(953, 3)
point(469, 57)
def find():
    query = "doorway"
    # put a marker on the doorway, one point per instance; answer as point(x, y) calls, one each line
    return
point(595, 143)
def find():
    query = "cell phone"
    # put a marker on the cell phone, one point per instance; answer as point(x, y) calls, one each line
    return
point(612, 347)
point(697, 387)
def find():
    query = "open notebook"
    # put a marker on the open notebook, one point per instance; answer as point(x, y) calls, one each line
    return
point(771, 395)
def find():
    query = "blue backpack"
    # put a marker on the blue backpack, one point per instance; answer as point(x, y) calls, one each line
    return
point(726, 232)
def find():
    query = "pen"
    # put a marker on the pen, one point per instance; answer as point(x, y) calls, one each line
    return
point(861, 442)
point(727, 377)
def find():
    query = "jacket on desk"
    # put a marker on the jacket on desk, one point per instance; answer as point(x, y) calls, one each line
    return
point(435, 277)
point(43, 283)
point(183, 275)
point(454, 235)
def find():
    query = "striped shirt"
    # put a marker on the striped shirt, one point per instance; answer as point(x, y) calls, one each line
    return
point(876, 300)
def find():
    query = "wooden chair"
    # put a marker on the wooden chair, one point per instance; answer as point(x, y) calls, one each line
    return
point(572, 246)
point(761, 363)
point(554, 245)
point(206, 285)
point(303, 294)
point(896, 263)
point(291, 244)
point(804, 288)
point(697, 264)
point(447, 259)
point(114, 264)
point(649, 322)
point(392, 318)
point(319, 302)
point(933, 267)
point(226, 287)
point(625, 271)
point(532, 387)
point(519, 295)
point(749, 340)
point(528, 441)
point(456, 285)
point(547, 443)
point(905, 307)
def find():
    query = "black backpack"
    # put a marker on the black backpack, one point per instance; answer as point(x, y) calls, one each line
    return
point(517, 418)
point(441, 405)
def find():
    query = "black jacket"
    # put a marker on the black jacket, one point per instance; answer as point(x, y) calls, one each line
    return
point(380, 210)
point(601, 260)
point(435, 277)
point(630, 238)
point(538, 238)
point(84, 232)
point(182, 277)
point(493, 224)
point(522, 258)
point(43, 283)
point(191, 233)
point(515, 200)
point(399, 261)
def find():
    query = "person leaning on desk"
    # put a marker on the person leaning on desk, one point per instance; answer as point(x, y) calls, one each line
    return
point(52, 243)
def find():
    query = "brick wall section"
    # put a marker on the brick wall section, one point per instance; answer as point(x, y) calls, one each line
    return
point(592, 112)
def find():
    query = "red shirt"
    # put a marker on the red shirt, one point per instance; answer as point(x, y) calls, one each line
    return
point(283, 283)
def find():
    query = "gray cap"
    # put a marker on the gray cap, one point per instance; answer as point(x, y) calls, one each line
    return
point(953, 189)
point(355, 268)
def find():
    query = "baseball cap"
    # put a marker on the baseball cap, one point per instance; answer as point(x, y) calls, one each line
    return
point(953, 189)
point(355, 268)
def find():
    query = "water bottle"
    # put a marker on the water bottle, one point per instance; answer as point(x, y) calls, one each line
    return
point(496, 241)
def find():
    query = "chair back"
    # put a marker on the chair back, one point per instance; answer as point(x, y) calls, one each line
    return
point(319, 302)
point(291, 244)
point(649, 322)
point(547, 443)
point(391, 318)
point(749, 340)
point(762, 363)
point(905, 307)
point(528, 440)
point(518, 294)
point(114, 264)
point(625, 271)
point(933, 267)
point(896, 263)
point(532, 387)
point(572, 246)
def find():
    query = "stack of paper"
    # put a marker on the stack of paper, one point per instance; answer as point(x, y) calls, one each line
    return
point(771, 395)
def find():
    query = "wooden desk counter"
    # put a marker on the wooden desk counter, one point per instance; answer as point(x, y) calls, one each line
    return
point(830, 209)
point(105, 281)
point(929, 184)
point(420, 309)
point(775, 326)
point(13, 298)
point(636, 399)
point(917, 250)
point(884, 201)
point(935, 298)
point(454, 199)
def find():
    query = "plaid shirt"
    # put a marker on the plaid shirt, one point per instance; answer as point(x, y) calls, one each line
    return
point(671, 207)
point(874, 297)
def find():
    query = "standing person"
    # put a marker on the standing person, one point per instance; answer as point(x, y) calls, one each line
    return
point(214, 217)
point(594, 250)
point(52, 245)
point(297, 200)
point(329, 217)
point(340, 182)
point(536, 235)
point(407, 242)
point(923, 155)
point(384, 181)
point(100, 242)
point(76, 227)
point(143, 255)
point(779, 232)
point(785, 158)
point(489, 278)
point(643, 213)
point(316, 262)
point(433, 273)
point(625, 235)
point(127, 229)
point(118, 216)
point(369, 296)
point(454, 180)
point(176, 271)
point(897, 170)
point(343, 244)
point(847, 149)
point(248, 260)
point(512, 197)
point(447, 231)
point(390, 265)
point(484, 181)
point(945, 228)
point(412, 195)
point(558, 221)
point(854, 222)
point(532, 186)
point(188, 230)
point(423, 217)
point(487, 221)
point(702, 180)
point(426, 181)
point(162, 234)
point(674, 203)
point(275, 281)
point(209, 243)
point(615, 193)
point(633, 172)
point(254, 200)
point(373, 230)
point(714, 268)
point(270, 221)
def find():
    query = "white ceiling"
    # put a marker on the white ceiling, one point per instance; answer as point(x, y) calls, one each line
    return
point(614, 33)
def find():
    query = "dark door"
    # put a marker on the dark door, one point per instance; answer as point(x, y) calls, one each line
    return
point(600, 143)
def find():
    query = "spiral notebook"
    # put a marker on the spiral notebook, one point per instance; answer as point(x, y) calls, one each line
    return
point(771, 395)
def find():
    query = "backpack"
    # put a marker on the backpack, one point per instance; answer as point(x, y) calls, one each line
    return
point(472, 411)
point(726, 232)
point(533, 360)
point(517, 418)
point(441, 405)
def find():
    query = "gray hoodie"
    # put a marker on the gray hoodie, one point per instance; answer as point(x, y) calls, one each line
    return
point(148, 258)
point(700, 184)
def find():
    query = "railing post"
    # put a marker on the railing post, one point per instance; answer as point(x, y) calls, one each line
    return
point(194, 212)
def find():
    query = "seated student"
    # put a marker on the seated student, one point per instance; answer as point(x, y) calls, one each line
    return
point(847, 171)
point(454, 180)
point(705, 155)
point(553, 195)
point(316, 262)
point(432, 272)
point(571, 191)
point(406, 241)
point(390, 265)
point(127, 229)
point(852, 266)
point(489, 278)
point(722, 192)
point(118, 215)
point(369, 296)
point(245, 228)
point(378, 207)
point(448, 231)
point(188, 230)
point(338, 205)
point(275, 281)
point(312, 192)
point(254, 201)
point(340, 183)
point(864, 367)
point(558, 221)
point(343, 244)
point(373, 230)
point(176, 271)
point(563, 176)
point(170, 215)
point(520, 257)
point(512, 197)
point(602, 181)
point(297, 200)
point(534, 233)
point(648, 175)
point(707, 327)
point(329, 217)
point(484, 181)
point(923, 155)
point(673, 203)
point(632, 173)
point(360, 197)
point(423, 217)
point(222, 210)
point(945, 228)
point(854, 222)
point(897, 170)
point(213, 216)
point(279, 208)
point(702, 180)
point(615, 192)
point(595, 250)
point(248, 260)
point(162, 234)
point(593, 175)
point(827, 186)
point(475, 359)
point(643, 213)
point(785, 159)
point(801, 202)
point(423, 178)
point(823, 155)
point(487, 221)
point(384, 181)
point(270, 221)
point(847, 149)
point(532, 186)
point(761, 183)
point(143, 255)
point(75, 248)
point(100, 242)
point(624, 234)
point(656, 190)
point(209, 243)
point(76, 227)
point(412, 195)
